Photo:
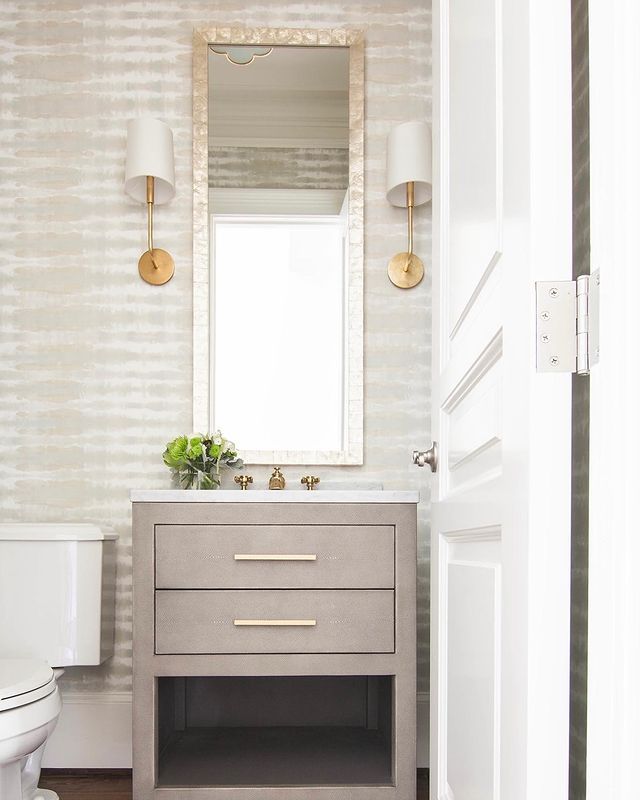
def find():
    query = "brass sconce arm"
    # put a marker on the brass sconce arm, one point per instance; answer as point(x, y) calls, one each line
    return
point(410, 205)
point(155, 266)
point(406, 269)
point(150, 195)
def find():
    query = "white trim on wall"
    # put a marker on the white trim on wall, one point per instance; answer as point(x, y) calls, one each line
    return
point(94, 732)
point(613, 701)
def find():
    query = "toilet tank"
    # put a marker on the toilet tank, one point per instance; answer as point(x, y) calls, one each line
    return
point(57, 592)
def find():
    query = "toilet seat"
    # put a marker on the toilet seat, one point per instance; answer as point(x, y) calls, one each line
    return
point(23, 681)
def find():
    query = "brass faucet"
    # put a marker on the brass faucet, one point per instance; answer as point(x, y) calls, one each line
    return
point(243, 480)
point(310, 481)
point(277, 481)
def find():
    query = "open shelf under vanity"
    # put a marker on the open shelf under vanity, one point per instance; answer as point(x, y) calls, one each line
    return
point(275, 731)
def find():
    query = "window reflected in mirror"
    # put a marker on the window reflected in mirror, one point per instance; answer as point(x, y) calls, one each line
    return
point(279, 363)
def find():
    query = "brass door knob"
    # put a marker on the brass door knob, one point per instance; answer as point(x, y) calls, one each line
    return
point(310, 482)
point(243, 480)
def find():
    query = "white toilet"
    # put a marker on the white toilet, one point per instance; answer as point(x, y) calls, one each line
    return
point(57, 609)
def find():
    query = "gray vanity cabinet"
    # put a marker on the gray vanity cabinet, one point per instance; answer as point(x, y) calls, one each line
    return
point(274, 647)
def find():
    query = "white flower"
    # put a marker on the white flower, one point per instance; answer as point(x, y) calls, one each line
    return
point(217, 438)
point(229, 447)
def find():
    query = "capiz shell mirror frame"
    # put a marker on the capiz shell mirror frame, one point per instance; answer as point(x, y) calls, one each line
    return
point(204, 418)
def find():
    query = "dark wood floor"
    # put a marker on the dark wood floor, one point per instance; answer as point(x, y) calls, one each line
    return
point(115, 784)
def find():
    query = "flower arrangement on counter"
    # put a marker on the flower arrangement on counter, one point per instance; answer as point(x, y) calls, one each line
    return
point(197, 461)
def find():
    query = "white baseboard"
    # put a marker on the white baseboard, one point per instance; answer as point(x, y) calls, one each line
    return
point(94, 732)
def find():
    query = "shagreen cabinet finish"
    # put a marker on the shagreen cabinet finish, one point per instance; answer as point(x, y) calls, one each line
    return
point(274, 647)
point(275, 556)
point(275, 621)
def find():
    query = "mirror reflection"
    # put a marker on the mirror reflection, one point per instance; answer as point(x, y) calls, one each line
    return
point(278, 160)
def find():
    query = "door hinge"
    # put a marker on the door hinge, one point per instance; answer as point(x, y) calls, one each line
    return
point(567, 324)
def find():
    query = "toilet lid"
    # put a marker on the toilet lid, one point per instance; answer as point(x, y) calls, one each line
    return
point(23, 680)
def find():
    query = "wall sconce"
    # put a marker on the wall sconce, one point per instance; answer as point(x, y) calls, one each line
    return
point(150, 178)
point(408, 185)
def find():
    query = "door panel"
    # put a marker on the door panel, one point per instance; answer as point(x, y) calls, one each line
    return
point(501, 511)
point(472, 630)
point(471, 423)
point(475, 206)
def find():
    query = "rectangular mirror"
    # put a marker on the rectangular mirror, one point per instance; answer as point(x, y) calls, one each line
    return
point(278, 233)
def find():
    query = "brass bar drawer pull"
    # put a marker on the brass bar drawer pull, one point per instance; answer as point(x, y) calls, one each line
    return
point(290, 623)
point(275, 557)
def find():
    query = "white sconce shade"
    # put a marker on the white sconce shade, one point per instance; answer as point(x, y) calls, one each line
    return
point(409, 160)
point(149, 153)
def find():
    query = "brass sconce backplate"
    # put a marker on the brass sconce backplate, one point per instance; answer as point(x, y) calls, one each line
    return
point(405, 270)
point(156, 266)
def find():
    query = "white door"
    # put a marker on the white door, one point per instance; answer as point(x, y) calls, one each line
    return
point(613, 704)
point(501, 495)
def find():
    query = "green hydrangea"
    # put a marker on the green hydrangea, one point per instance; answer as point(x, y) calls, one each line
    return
point(175, 456)
point(194, 450)
point(197, 461)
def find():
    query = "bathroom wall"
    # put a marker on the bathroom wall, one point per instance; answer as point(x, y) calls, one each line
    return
point(278, 167)
point(95, 365)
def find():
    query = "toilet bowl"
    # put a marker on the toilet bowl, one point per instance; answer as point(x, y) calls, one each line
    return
point(29, 709)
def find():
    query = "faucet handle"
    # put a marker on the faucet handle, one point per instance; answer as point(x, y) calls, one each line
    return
point(243, 480)
point(310, 481)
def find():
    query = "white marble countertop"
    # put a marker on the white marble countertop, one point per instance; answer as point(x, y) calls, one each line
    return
point(270, 496)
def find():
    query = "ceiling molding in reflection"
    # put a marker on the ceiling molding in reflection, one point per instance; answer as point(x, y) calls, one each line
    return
point(300, 202)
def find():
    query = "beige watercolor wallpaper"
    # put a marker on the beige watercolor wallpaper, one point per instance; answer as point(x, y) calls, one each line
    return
point(95, 365)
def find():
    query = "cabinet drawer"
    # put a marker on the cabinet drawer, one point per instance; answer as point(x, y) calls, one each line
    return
point(287, 621)
point(274, 556)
